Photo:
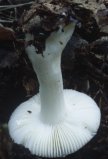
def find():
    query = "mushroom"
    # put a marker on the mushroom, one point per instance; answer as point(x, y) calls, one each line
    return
point(55, 122)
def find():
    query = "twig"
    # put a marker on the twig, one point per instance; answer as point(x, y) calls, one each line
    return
point(15, 9)
point(5, 7)
point(6, 21)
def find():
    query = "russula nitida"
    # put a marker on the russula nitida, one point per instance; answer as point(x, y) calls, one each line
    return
point(55, 122)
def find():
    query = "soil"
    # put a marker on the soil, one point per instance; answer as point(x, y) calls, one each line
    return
point(84, 68)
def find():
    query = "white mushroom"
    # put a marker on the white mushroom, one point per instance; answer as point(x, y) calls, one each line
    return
point(55, 122)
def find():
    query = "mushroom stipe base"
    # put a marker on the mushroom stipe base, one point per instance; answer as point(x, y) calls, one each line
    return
point(79, 125)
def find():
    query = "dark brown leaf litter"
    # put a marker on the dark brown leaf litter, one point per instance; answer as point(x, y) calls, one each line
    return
point(102, 19)
point(46, 16)
point(95, 57)
point(6, 33)
point(50, 14)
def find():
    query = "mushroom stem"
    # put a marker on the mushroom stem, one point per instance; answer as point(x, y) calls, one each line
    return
point(56, 122)
point(48, 70)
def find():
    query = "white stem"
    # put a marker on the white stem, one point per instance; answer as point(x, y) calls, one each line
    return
point(48, 70)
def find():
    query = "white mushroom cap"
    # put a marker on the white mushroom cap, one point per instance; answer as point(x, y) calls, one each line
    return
point(80, 124)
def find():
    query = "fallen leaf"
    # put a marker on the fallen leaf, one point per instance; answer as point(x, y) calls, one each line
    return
point(6, 33)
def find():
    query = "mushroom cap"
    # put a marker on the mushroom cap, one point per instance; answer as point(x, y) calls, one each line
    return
point(81, 123)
